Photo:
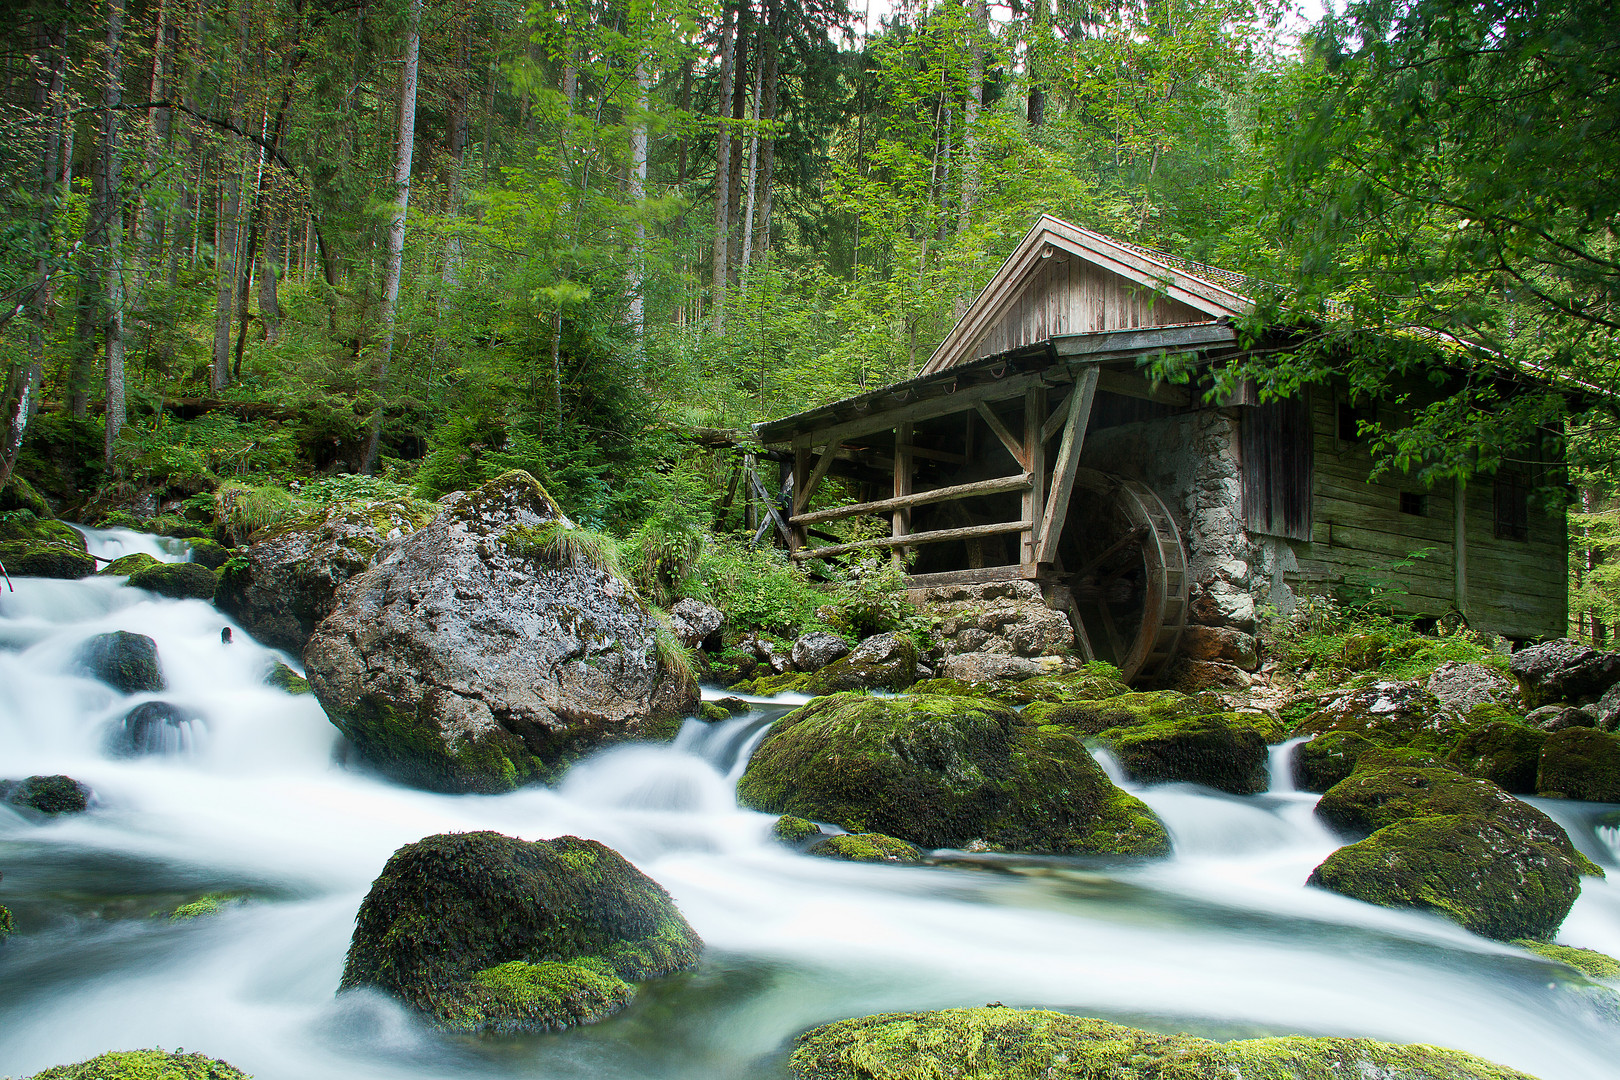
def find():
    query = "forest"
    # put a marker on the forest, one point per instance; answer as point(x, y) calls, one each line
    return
point(264, 252)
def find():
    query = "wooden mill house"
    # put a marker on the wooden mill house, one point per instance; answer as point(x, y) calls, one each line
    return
point(1034, 447)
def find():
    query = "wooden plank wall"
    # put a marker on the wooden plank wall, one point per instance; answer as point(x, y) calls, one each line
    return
point(1514, 588)
point(1069, 296)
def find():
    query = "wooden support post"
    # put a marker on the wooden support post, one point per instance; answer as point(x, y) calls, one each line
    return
point(1035, 464)
point(801, 476)
point(803, 491)
point(1067, 465)
point(901, 520)
point(750, 506)
point(1014, 447)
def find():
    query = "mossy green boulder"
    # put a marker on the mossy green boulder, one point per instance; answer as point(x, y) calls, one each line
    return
point(145, 1065)
point(945, 772)
point(1093, 682)
point(125, 661)
point(865, 847)
point(481, 932)
point(795, 831)
point(1507, 753)
point(1165, 736)
point(50, 795)
point(128, 564)
point(1403, 720)
point(286, 680)
point(177, 581)
point(1491, 879)
point(7, 927)
point(209, 553)
point(1580, 763)
point(32, 546)
point(1588, 962)
point(884, 662)
point(998, 1043)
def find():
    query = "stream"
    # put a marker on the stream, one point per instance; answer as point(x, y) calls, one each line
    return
point(1221, 940)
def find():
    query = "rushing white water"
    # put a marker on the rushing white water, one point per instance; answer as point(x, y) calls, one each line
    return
point(1223, 939)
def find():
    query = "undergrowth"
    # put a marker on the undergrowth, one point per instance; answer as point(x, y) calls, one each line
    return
point(1323, 642)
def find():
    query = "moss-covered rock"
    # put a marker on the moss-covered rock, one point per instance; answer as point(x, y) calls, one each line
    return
point(145, 1065)
point(1589, 962)
point(944, 772)
point(484, 932)
point(1369, 799)
point(209, 553)
point(47, 794)
point(177, 581)
point(1580, 763)
point(1507, 754)
point(204, 907)
point(19, 494)
point(45, 561)
point(713, 712)
point(128, 564)
point(1166, 736)
point(885, 662)
point(286, 680)
point(790, 682)
point(997, 1043)
point(125, 661)
point(25, 527)
point(1490, 878)
point(1390, 714)
point(865, 847)
point(7, 927)
point(795, 831)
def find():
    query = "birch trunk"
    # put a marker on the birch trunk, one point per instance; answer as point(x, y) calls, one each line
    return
point(396, 225)
point(638, 194)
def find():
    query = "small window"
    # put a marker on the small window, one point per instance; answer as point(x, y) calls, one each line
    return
point(1512, 506)
point(1349, 422)
point(1414, 503)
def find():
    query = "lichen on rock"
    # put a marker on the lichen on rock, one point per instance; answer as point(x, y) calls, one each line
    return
point(945, 772)
point(481, 932)
point(1580, 763)
point(998, 1043)
point(461, 663)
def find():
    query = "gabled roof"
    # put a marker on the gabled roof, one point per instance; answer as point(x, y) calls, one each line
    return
point(1203, 289)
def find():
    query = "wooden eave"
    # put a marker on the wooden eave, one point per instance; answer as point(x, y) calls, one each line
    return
point(1053, 234)
point(1052, 362)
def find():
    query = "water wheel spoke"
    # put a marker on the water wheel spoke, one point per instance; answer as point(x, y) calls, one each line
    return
point(1117, 548)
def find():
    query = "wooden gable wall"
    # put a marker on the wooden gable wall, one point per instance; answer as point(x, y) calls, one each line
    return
point(1067, 295)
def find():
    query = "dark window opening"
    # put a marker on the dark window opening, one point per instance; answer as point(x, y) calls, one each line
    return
point(1278, 467)
point(1349, 420)
point(1512, 506)
point(1414, 503)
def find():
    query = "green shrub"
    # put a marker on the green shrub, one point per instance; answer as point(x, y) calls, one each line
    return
point(1324, 641)
point(242, 509)
point(756, 588)
point(559, 544)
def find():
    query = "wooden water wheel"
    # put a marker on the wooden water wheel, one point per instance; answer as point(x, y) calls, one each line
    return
point(1125, 567)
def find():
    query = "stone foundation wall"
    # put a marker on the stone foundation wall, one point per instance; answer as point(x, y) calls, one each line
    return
point(1193, 462)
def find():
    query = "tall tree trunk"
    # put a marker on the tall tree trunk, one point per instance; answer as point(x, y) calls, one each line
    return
point(456, 144)
point(146, 218)
point(23, 387)
point(267, 155)
point(269, 303)
point(722, 178)
point(637, 194)
point(91, 303)
point(970, 113)
point(739, 114)
point(227, 240)
point(767, 161)
point(396, 225)
point(112, 99)
point(1040, 18)
point(753, 163)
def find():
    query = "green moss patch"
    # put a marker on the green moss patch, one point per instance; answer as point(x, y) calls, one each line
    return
point(286, 680)
point(46, 560)
point(145, 1065)
point(409, 749)
point(865, 847)
point(1580, 763)
point(997, 1043)
point(1587, 961)
point(129, 564)
point(483, 932)
point(202, 908)
point(795, 830)
point(1507, 753)
point(177, 581)
point(944, 772)
point(47, 794)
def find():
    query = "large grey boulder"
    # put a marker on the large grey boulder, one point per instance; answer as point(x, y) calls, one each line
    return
point(818, 648)
point(487, 649)
point(1005, 618)
point(697, 624)
point(1463, 686)
point(1607, 709)
point(1564, 670)
point(293, 570)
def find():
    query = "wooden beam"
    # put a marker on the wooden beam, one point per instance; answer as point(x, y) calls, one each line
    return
point(980, 576)
point(920, 498)
point(1128, 385)
point(1035, 450)
point(801, 497)
point(1067, 464)
point(1059, 415)
point(944, 405)
point(900, 520)
point(1014, 447)
point(937, 455)
point(769, 504)
point(935, 536)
